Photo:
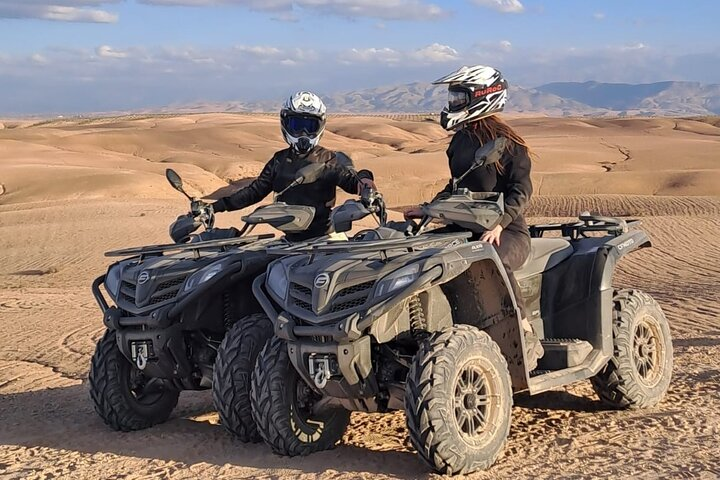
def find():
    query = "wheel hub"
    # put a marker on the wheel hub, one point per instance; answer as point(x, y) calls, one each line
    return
point(472, 400)
point(647, 353)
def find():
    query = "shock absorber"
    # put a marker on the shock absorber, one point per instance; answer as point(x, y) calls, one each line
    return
point(228, 314)
point(418, 324)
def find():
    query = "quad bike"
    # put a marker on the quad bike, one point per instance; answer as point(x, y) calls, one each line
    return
point(173, 305)
point(426, 322)
point(243, 342)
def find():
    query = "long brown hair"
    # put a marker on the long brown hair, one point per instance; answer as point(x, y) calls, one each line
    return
point(489, 128)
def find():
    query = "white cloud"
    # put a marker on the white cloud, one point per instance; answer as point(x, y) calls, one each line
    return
point(634, 47)
point(505, 46)
point(286, 9)
point(109, 52)
point(365, 55)
point(599, 16)
point(57, 79)
point(502, 6)
point(58, 10)
point(259, 50)
point(39, 59)
point(436, 53)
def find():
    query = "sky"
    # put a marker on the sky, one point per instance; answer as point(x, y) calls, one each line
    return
point(73, 56)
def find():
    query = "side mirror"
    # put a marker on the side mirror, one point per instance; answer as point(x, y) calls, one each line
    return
point(174, 179)
point(491, 152)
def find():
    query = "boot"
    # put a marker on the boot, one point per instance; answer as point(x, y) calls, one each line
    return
point(533, 348)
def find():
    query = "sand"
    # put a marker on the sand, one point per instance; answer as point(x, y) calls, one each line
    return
point(72, 189)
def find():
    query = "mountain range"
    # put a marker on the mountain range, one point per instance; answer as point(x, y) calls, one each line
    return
point(553, 99)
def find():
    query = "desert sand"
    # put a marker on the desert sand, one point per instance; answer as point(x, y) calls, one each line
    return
point(73, 189)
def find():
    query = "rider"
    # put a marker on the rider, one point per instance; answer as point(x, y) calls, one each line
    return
point(475, 95)
point(302, 121)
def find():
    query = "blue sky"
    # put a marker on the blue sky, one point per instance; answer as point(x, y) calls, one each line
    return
point(93, 55)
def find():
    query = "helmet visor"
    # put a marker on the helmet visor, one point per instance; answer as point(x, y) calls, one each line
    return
point(458, 99)
point(297, 125)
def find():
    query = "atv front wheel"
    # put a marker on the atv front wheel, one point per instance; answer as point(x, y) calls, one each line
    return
point(283, 407)
point(124, 398)
point(233, 370)
point(458, 401)
point(638, 374)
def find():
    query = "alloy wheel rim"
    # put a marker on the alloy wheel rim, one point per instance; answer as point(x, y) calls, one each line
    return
point(648, 351)
point(475, 400)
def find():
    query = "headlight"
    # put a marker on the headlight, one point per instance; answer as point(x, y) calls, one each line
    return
point(277, 280)
point(203, 275)
point(398, 279)
point(112, 281)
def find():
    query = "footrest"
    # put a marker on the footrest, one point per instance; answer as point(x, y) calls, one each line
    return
point(561, 353)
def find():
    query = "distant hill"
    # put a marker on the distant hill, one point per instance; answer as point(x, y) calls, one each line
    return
point(663, 98)
point(553, 99)
point(425, 97)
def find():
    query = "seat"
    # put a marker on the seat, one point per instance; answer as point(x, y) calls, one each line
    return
point(545, 253)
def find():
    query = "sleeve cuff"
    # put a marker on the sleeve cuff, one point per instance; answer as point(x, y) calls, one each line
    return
point(219, 206)
point(506, 220)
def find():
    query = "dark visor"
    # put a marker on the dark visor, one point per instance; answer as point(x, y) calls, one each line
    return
point(299, 126)
point(458, 99)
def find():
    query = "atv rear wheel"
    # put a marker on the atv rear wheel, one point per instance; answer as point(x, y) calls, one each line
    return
point(458, 400)
point(638, 374)
point(232, 374)
point(283, 404)
point(124, 398)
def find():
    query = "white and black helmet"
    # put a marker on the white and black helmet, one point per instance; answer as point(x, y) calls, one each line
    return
point(473, 93)
point(302, 120)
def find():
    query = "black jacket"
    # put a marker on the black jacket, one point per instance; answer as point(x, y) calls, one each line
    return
point(513, 180)
point(281, 171)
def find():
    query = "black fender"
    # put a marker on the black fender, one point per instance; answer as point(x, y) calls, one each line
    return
point(481, 295)
point(617, 248)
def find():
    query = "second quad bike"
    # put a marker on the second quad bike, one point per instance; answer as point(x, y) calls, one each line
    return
point(173, 305)
point(425, 321)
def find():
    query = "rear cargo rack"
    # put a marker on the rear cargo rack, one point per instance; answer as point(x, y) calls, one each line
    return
point(576, 230)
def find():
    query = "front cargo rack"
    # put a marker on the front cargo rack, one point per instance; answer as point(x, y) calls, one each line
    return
point(178, 247)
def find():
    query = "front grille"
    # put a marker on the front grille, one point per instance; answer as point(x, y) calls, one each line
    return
point(358, 302)
point(171, 283)
point(302, 296)
point(127, 291)
point(164, 292)
point(356, 289)
point(301, 289)
point(359, 294)
point(303, 305)
point(346, 299)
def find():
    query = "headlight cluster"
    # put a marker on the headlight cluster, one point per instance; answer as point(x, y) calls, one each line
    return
point(203, 275)
point(398, 280)
point(112, 281)
point(277, 281)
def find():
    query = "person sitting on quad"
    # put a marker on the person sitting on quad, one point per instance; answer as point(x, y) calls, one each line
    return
point(475, 95)
point(302, 121)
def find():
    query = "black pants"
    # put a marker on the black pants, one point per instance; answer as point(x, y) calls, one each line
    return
point(513, 250)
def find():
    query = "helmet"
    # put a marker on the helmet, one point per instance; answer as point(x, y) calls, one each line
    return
point(302, 120)
point(473, 93)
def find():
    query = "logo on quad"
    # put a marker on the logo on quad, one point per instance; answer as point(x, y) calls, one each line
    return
point(322, 280)
point(143, 278)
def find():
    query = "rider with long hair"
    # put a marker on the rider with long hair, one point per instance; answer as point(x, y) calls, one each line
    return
point(475, 96)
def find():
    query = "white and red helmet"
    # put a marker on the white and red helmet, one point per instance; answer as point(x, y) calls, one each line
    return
point(302, 120)
point(473, 93)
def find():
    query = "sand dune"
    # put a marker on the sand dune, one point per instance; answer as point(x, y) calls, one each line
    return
point(72, 189)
